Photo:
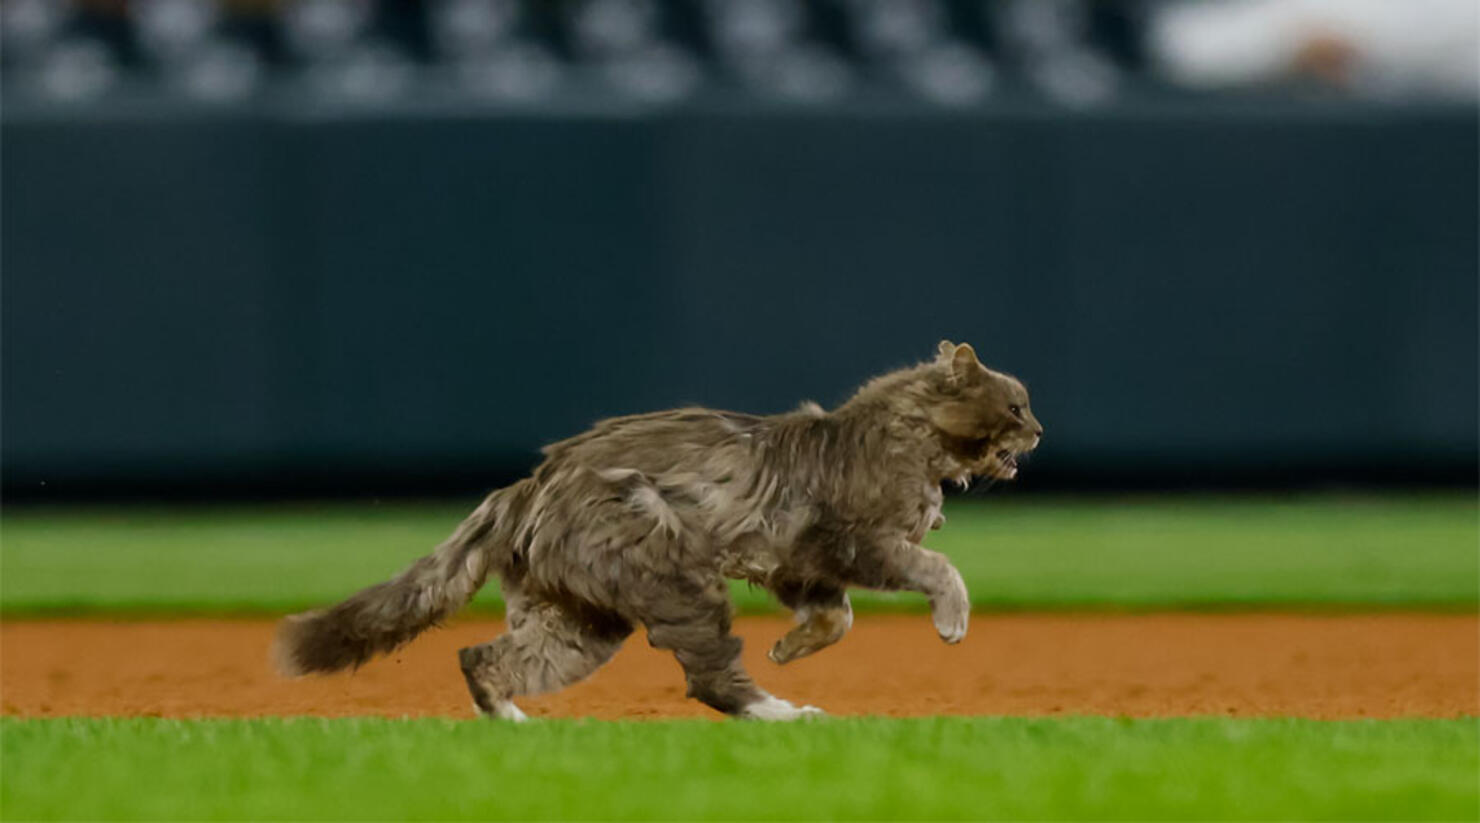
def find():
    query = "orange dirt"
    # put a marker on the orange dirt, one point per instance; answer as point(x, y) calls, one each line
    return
point(1378, 665)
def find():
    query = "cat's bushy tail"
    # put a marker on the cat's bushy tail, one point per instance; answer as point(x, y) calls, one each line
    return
point(386, 615)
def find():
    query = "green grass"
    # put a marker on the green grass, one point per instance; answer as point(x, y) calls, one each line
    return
point(1135, 553)
point(1414, 551)
point(938, 768)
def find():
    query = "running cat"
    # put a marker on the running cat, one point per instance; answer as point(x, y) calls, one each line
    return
point(640, 520)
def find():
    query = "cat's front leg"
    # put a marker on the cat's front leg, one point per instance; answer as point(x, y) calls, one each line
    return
point(823, 613)
point(898, 564)
point(950, 606)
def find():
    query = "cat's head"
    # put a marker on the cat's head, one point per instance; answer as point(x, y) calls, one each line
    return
point(982, 416)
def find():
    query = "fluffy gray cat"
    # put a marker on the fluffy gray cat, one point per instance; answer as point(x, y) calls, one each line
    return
point(640, 520)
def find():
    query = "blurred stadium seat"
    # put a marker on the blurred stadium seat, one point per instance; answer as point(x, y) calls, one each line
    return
point(951, 52)
point(947, 51)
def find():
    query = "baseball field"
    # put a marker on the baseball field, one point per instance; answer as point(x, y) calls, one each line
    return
point(1292, 657)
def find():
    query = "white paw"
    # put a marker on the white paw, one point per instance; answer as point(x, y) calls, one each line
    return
point(774, 708)
point(952, 628)
point(951, 611)
point(504, 710)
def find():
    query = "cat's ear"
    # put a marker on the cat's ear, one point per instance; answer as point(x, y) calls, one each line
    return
point(945, 350)
point(963, 360)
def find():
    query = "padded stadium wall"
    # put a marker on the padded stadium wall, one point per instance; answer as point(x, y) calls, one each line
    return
point(275, 297)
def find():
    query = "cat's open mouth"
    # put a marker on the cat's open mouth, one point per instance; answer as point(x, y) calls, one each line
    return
point(1009, 462)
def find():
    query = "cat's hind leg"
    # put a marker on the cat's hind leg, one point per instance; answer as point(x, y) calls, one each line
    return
point(548, 647)
point(696, 627)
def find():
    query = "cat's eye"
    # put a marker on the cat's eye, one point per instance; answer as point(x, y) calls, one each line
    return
point(1016, 409)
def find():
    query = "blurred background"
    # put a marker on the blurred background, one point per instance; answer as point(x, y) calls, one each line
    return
point(343, 247)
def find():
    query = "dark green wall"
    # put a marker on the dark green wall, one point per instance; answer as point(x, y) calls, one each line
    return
point(261, 296)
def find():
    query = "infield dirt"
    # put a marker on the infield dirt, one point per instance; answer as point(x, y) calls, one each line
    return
point(1321, 666)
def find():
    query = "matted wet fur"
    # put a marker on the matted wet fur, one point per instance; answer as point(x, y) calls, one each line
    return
point(639, 521)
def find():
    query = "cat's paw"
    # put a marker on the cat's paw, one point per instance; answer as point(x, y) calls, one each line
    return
point(503, 710)
point(789, 648)
point(951, 611)
point(951, 625)
point(776, 709)
point(782, 653)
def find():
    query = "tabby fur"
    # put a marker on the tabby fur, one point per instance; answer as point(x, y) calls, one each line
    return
point(640, 521)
